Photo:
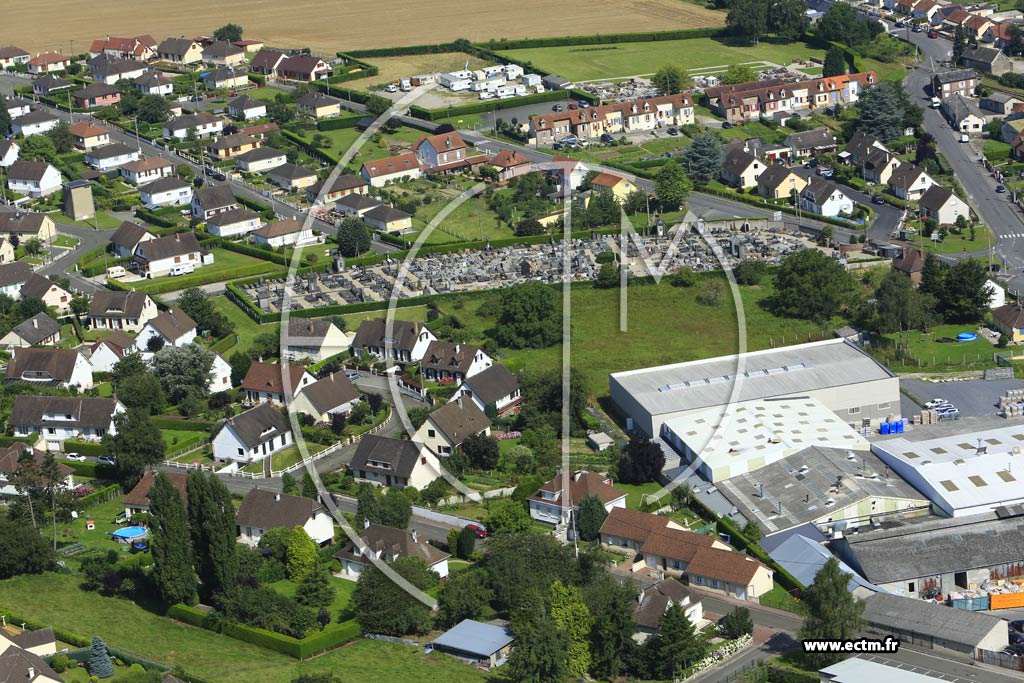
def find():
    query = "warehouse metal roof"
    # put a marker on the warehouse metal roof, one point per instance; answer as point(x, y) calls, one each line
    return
point(758, 374)
point(888, 611)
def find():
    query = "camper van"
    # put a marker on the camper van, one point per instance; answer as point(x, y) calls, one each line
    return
point(114, 272)
point(406, 85)
point(182, 269)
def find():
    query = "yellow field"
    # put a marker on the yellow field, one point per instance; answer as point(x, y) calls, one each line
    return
point(327, 26)
point(394, 68)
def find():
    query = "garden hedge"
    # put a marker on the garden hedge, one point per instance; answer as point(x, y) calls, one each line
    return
point(189, 425)
point(601, 39)
point(339, 123)
point(99, 496)
point(154, 219)
point(492, 105)
point(89, 448)
point(10, 440)
point(82, 469)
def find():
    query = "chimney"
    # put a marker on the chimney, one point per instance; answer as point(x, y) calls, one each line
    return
point(640, 598)
point(31, 673)
point(35, 323)
point(366, 523)
point(277, 497)
point(414, 537)
point(458, 347)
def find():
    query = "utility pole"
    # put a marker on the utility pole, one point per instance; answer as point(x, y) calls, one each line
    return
point(138, 140)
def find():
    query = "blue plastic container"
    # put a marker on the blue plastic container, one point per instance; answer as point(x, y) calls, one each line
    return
point(885, 428)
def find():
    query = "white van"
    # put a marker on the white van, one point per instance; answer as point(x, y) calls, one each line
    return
point(936, 103)
point(183, 269)
point(406, 85)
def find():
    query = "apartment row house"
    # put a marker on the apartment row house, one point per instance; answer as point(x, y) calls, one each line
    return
point(774, 98)
point(613, 119)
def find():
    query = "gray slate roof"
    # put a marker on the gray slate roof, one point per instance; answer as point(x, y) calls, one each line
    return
point(400, 454)
point(372, 332)
point(170, 246)
point(887, 611)
point(163, 185)
point(259, 425)
point(108, 304)
point(86, 413)
point(129, 234)
point(459, 419)
point(265, 509)
point(330, 392)
point(37, 328)
point(493, 383)
point(215, 197)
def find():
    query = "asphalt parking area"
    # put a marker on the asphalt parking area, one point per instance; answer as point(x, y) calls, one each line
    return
point(973, 398)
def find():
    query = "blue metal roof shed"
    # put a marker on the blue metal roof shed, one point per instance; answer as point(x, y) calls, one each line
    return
point(475, 640)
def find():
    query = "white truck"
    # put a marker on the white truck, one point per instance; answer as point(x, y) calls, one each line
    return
point(936, 103)
point(406, 85)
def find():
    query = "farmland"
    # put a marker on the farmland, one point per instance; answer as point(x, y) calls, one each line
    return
point(621, 60)
point(329, 27)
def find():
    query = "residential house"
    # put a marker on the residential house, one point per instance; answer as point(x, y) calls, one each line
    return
point(220, 375)
point(154, 83)
point(780, 182)
point(315, 339)
point(39, 330)
point(33, 178)
point(332, 395)
point(495, 391)
point(21, 664)
point(264, 382)
point(225, 78)
point(111, 156)
point(49, 367)
point(908, 182)
point(811, 143)
point(223, 53)
point(486, 645)
point(942, 205)
point(555, 504)
point(7, 254)
point(16, 106)
point(234, 223)
point(652, 602)
point(160, 256)
point(252, 436)
point(380, 172)
point(146, 170)
point(48, 85)
point(1009, 320)
point(127, 237)
point(13, 277)
point(291, 177)
point(318, 106)
point(141, 48)
point(306, 68)
point(51, 294)
point(230, 146)
point(34, 123)
point(976, 26)
point(25, 226)
point(106, 353)
point(963, 114)
point(267, 63)
point(395, 463)
point(11, 56)
point(262, 510)
point(88, 135)
point(615, 118)
point(260, 160)
point(735, 574)
point(168, 191)
point(407, 342)
point(245, 108)
point(210, 200)
point(924, 10)
point(9, 152)
point(137, 500)
point(911, 264)
point(56, 418)
point(567, 169)
point(824, 198)
point(448, 362)
point(97, 95)
point(989, 60)
point(442, 153)
point(962, 81)
point(383, 218)
point(250, 46)
point(356, 205)
point(388, 544)
point(172, 327)
point(109, 70)
point(40, 642)
point(772, 98)
point(48, 63)
point(114, 310)
point(202, 124)
point(629, 529)
point(620, 187)
point(344, 185)
point(447, 427)
point(180, 51)
point(284, 233)
point(741, 169)
point(1000, 103)
point(879, 166)
point(998, 34)
point(510, 164)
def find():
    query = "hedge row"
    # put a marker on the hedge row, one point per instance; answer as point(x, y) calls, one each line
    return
point(82, 469)
point(154, 219)
point(258, 79)
point(265, 211)
point(491, 105)
point(293, 647)
point(314, 152)
point(339, 123)
point(11, 440)
point(366, 70)
point(190, 425)
point(437, 48)
point(99, 495)
point(599, 39)
point(255, 252)
point(88, 448)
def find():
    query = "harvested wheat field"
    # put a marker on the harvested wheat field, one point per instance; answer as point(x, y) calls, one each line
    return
point(327, 26)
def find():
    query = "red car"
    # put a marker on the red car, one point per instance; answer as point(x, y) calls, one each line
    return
point(574, 106)
point(933, 34)
point(478, 530)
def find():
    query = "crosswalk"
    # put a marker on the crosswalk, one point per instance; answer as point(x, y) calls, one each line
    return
point(1012, 236)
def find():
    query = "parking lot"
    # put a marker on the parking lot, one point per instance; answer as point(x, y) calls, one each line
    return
point(973, 398)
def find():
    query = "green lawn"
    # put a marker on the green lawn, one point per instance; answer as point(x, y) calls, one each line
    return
point(635, 492)
point(778, 598)
point(620, 60)
point(414, 314)
point(246, 329)
point(103, 219)
point(65, 241)
point(96, 540)
point(278, 461)
point(928, 354)
point(342, 592)
point(266, 94)
point(227, 265)
point(176, 439)
point(959, 244)
point(996, 151)
point(471, 220)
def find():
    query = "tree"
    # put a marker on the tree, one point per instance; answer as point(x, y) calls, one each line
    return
point(642, 461)
point(22, 550)
point(843, 24)
point(529, 317)
point(187, 174)
point(832, 611)
point(383, 606)
point(100, 665)
point(524, 563)
point(353, 237)
point(1014, 46)
point(703, 159)
point(229, 32)
point(787, 19)
point(482, 451)
point(611, 636)
point(959, 44)
point(886, 109)
point(317, 678)
point(155, 109)
point(572, 618)
point(591, 517)
point(749, 272)
point(737, 623)
point(288, 485)
point(671, 186)
point(211, 517)
point(197, 305)
point(540, 652)
point(965, 297)
point(607, 276)
point(315, 590)
point(184, 371)
point(368, 504)
point(675, 646)
point(301, 555)
point(28, 481)
point(280, 112)
point(811, 286)
point(37, 148)
point(465, 544)
point(529, 227)
point(5, 122)
point(63, 140)
point(137, 444)
point(748, 19)
point(900, 307)
point(464, 596)
point(376, 105)
point(835, 62)
point(129, 366)
point(507, 516)
point(671, 79)
point(738, 73)
point(170, 543)
point(710, 293)
point(395, 509)
point(517, 460)
point(309, 487)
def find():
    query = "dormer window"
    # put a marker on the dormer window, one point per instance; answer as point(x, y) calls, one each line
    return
point(647, 106)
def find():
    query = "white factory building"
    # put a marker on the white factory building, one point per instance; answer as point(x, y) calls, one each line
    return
point(838, 374)
point(962, 474)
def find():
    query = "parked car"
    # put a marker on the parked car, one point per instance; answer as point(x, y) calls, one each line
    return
point(558, 145)
point(1000, 189)
point(478, 530)
point(352, 375)
point(964, 137)
point(877, 199)
point(557, 107)
point(106, 460)
point(607, 138)
point(673, 131)
point(726, 124)
point(573, 105)
point(936, 402)
point(933, 33)
point(1017, 625)
point(391, 88)
point(584, 104)
point(77, 457)
point(900, 24)
point(917, 29)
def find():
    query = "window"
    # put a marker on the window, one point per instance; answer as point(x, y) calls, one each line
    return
point(241, 451)
point(854, 411)
point(431, 433)
point(910, 587)
point(883, 406)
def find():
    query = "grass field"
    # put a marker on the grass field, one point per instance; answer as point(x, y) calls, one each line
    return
point(391, 69)
point(246, 328)
point(619, 60)
point(349, 26)
point(57, 600)
point(227, 265)
point(928, 354)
